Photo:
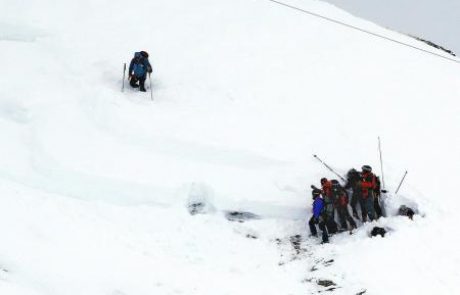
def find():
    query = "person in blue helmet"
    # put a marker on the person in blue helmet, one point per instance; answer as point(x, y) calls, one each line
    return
point(318, 216)
point(138, 69)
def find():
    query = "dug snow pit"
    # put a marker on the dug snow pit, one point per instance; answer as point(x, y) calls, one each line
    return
point(240, 216)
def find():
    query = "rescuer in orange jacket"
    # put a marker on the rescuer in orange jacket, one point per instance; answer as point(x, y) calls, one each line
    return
point(368, 187)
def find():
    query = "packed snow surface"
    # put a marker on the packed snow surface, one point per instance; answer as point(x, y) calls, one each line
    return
point(96, 185)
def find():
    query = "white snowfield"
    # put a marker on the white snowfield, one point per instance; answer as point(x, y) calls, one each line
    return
point(95, 183)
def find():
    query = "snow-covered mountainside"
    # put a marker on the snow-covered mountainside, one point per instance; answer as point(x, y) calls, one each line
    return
point(95, 184)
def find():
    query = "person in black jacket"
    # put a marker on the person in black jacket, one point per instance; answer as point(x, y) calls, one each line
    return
point(341, 204)
point(353, 183)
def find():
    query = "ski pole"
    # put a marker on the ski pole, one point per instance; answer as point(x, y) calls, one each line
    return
point(399, 186)
point(381, 164)
point(123, 80)
point(151, 90)
point(328, 167)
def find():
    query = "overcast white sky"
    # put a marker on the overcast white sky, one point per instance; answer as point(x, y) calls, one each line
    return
point(434, 20)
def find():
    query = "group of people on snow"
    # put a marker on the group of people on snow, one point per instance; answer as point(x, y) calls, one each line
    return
point(333, 197)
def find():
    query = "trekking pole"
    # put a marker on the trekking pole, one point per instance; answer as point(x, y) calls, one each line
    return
point(381, 164)
point(123, 80)
point(328, 167)
point(397, 190)
point(151, 90)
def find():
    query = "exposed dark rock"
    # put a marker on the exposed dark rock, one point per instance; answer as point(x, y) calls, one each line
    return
point(325, 283)
point(196, 208)
point(406, 211)
point(434, 45)
point(296, 243)
point(199, 199)
point(328, 262)
point(240, 216)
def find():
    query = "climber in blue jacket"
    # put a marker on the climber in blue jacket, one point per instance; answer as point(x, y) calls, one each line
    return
point(138, 69)
point(318, 218)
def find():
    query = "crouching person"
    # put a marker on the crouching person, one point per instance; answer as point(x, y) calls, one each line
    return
point(138, 69)
point(317, 218)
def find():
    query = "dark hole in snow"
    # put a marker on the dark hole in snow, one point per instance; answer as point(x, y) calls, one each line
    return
point(376, 231)
point(240, 216)
point(361, 292)
point(251, 236)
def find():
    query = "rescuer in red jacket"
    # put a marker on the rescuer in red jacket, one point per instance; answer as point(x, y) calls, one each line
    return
point(368, 187)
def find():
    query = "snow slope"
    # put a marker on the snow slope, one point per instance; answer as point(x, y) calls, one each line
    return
point(94, 183)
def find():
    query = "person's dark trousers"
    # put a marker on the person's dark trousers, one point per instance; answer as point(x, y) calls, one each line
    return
point(142, 82)
point(354, 202)
point(324, 236)
point(344, 216)
point(312, 225)
point(369, 204)
point(377, 208)
point(322, 227)
point(362, 204)
point(331, 225)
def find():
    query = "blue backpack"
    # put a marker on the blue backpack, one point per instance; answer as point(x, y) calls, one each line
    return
point(139, 68)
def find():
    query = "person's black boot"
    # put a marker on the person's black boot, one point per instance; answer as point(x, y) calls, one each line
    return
point(325, 238)
point(141, 87)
